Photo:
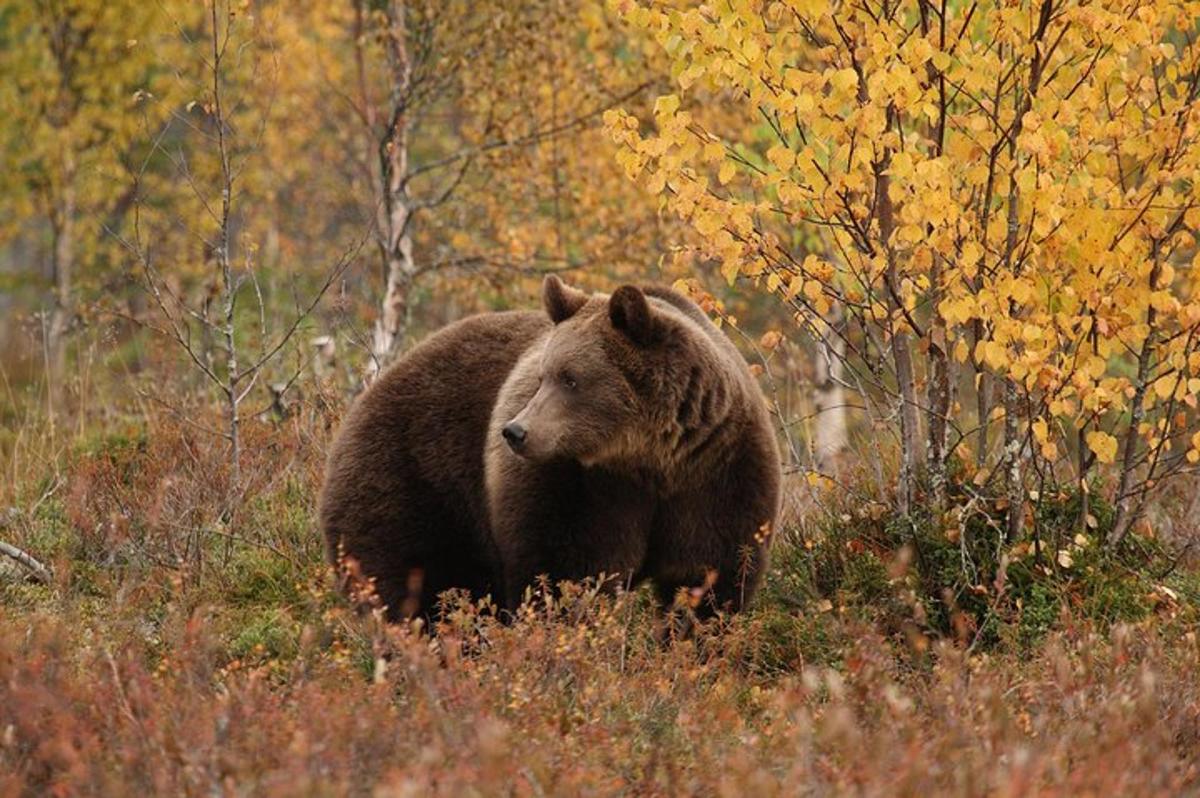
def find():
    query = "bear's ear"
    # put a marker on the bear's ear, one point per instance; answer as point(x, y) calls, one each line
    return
point(561, 301)
point(630, 313)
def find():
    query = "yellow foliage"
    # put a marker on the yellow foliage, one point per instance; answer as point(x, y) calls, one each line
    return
point(1103, 445)
point(1031, 180)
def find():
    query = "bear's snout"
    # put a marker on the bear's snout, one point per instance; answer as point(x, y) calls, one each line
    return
point(514, 433)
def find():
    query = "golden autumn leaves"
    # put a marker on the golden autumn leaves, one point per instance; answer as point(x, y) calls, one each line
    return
point(1019, 178)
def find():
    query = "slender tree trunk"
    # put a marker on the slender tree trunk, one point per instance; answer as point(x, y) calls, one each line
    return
point(231, 389)
point(396, 206)
point(1021, 104)
point(910, 450)
point(940, 390)
point(392, 324)
point(1125, 515)
point(62, 260)
point(1085, 491)
point(1013, 445)
point(830, 437)
point(1014, 477)
point(229, 287)
point(983, 394)
point(909, 420)
point(939, 400)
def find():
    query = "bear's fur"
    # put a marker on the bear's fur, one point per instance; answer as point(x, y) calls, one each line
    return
point(621, 435)
point(404, 489)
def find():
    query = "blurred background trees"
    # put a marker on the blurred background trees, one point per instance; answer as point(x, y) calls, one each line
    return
point(75, 71)
point(463, 142)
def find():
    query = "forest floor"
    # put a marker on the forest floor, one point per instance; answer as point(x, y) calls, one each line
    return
point(189, 643)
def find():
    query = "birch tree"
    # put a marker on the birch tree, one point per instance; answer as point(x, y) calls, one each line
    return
point(437, 97)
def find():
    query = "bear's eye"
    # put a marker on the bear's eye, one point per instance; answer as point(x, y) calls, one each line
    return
point(568, 380)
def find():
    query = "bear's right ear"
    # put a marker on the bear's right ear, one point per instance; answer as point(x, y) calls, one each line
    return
point(630, 313)
point(561, 301)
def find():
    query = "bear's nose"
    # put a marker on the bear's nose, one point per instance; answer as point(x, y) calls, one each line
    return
point(514, 433)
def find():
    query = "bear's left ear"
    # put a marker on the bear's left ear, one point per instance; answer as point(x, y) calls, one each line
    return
point(630, 313)
point(561, 301)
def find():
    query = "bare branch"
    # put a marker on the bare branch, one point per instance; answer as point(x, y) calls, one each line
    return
point(37, 571)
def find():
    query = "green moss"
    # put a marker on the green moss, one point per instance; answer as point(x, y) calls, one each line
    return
point(1109, 597)
point(1186, 584)
point(943, 577)
point(260, 577)
point(783, 641)
point(1038, 609)
point(50, 534)
point(265, 634)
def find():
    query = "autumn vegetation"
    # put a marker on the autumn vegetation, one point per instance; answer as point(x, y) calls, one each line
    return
point(956, 241)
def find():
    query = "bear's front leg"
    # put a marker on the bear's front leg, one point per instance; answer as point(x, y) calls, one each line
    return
point(708, 556)
point(567, 522)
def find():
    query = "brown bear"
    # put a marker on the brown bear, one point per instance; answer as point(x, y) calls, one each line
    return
point(620, 435)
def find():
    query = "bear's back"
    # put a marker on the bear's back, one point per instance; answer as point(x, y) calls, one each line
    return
point(415, 438)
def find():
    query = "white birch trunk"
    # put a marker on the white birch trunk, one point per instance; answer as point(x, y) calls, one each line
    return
point(830, 431)
point(62, 259)
point(395, 207)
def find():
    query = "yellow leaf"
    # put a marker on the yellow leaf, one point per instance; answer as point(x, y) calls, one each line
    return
point(657, 182)
point(1095, 367)
point(1103, 444)
point(795, 286)
point(961, 350)
point(726, 172)
point(902, 165)
point(844, 79)
point(707, 222)
point(1163, 302)
point(1021, 291)
point(666, 105)
point(1165, 386)
point(782, 157)
point(995, 355)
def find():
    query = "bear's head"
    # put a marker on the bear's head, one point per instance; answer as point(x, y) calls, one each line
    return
point(595, 377)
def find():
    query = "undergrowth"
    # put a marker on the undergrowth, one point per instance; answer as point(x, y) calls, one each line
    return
point(191, 643)
point(954, 575)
